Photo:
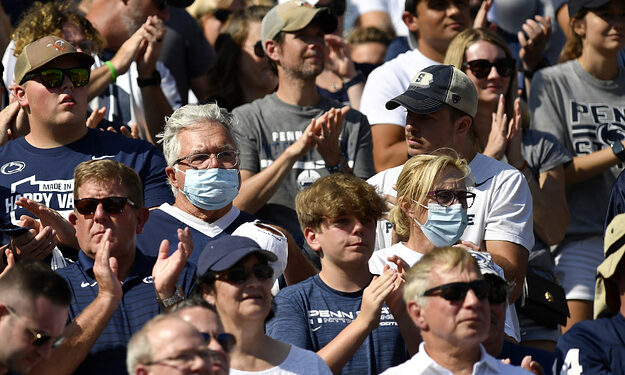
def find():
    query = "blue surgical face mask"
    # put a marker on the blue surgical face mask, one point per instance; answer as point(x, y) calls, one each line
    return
point(444, 225)
point(212, 188)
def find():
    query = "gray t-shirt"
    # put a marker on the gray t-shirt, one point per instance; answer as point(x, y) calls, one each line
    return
point(268, 126)
point(586, 115)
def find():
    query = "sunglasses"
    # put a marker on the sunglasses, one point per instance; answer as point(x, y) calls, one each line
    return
point(222, 14)
point(238, 275)
point(448, 197)
point(38, 338)
point(481, 68)
point(111, 205)
point(54, 77)
point(226, 340)
point(258, 49)
point(498, 289)
point(456, 292)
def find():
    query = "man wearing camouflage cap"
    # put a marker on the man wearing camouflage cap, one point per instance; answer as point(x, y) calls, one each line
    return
point(294, 136)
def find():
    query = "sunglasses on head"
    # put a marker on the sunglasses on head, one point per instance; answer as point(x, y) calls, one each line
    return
point(481, 68)
point(238, 275)
point(54, 77)
point(258, 49)
point(226, 340)
point(38, 338)
point(456, 292)
point(222, 14)
point(112, 205)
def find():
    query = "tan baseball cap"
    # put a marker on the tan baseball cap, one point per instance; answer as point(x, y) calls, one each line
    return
point(293, 16)
point(44, 50)
point(606, 296)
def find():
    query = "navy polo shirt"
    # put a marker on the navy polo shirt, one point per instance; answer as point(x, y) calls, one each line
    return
point(137, 306)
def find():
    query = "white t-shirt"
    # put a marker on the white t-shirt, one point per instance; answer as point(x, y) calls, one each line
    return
point(379, 259)
point(394, 9)
point(388, 81)
point(299, 361)
point(502, 210)
point(422, 363)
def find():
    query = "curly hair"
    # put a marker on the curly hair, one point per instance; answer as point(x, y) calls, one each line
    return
point(336, 195)
point(48, 19)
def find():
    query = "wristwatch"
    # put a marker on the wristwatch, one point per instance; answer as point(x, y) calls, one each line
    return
point(619, 150)
point(168, 302)
point(155, 80)
point(339, 168)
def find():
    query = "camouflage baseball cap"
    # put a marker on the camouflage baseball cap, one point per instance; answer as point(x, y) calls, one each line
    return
point(44, 50)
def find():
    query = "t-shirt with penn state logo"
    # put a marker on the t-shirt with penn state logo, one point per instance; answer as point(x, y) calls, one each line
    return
point(47, 175)
point(586, 115)
point(310, 314)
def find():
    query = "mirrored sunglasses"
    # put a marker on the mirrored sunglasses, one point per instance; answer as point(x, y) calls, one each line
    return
point(238, 275)
point(481, 68)
point(54, 77)
point(112, 205)
point(456, 292)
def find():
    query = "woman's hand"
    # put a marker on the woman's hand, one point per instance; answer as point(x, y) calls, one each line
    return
point(498, 136)
point(515, 135)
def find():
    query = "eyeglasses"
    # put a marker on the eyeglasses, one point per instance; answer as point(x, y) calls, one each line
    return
point(258, 49)
point(38, 338)
point(498, 289)
point(238, 275)
point(456, 292)
point(222, 14)
point(481, 68)
point(112, 205)
point(226, 340)
point(184, 359)
point(54, 77)
point(225, 159)
point(448, 197)
point(336, 7)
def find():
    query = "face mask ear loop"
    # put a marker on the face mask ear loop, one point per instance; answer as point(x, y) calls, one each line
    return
point(415, 219)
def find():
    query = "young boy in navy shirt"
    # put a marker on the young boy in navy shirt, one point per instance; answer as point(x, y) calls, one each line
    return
point(341, 312)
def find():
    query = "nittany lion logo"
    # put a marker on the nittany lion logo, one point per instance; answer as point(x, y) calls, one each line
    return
point(306, 3)
point(12, 167)
point(610, 132)
point(59, 45)
point(423, 79)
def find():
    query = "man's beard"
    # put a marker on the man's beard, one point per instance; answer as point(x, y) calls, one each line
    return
point(303, 72)
point(133, 18)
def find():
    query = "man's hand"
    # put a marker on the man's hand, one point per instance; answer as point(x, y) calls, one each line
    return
point(10, 260)
point(13, 123)
point(34, 244)
point(105, 270)
point(480, 20)
point(538, 31)
point(330, 126)
point(127, 53)
point(153, 31)
point(338, 58)
point(532, 366)
point(374, 295)
point(65, 234)
point(167, 268)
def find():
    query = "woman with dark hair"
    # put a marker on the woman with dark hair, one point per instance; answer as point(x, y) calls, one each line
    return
point(242, 73)
point(580, 102)
point(235, 276)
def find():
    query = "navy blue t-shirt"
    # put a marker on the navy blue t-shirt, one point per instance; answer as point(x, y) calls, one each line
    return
point(47, 175)
point(138, 305)
point(161, 226)
point(310, 314)
point(592, 347)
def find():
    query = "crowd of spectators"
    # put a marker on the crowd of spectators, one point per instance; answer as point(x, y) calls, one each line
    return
point(312, 187)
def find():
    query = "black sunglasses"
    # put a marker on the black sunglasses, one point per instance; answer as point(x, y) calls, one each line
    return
point(258, 49)
point(498, 289)
point(336, 7)
point(226, 340)
point(112, 205)
point(238, 275)
point(481, 68)
point(456, 292)
point(160, 4)
point(38, 338)
point(54, 77)
point(222, 14)
point(448, 197)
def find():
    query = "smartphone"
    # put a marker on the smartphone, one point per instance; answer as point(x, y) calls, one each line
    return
point(12, 229)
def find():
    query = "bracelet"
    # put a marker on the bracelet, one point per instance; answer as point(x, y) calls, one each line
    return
point(339, 168)
point(112, 69)
point(358, 78)
point(168, 302)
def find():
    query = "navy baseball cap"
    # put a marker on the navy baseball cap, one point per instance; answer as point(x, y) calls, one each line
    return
point(225, 251)
point(576, 5)
point(435, 86)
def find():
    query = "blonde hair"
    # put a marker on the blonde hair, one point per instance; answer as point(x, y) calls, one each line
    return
point(441, 259)
point(456, 56)
point(106, 171)
point(336, 195)
point(417, 178)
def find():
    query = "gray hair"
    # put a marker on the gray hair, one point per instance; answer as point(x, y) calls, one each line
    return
point(189, 116)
